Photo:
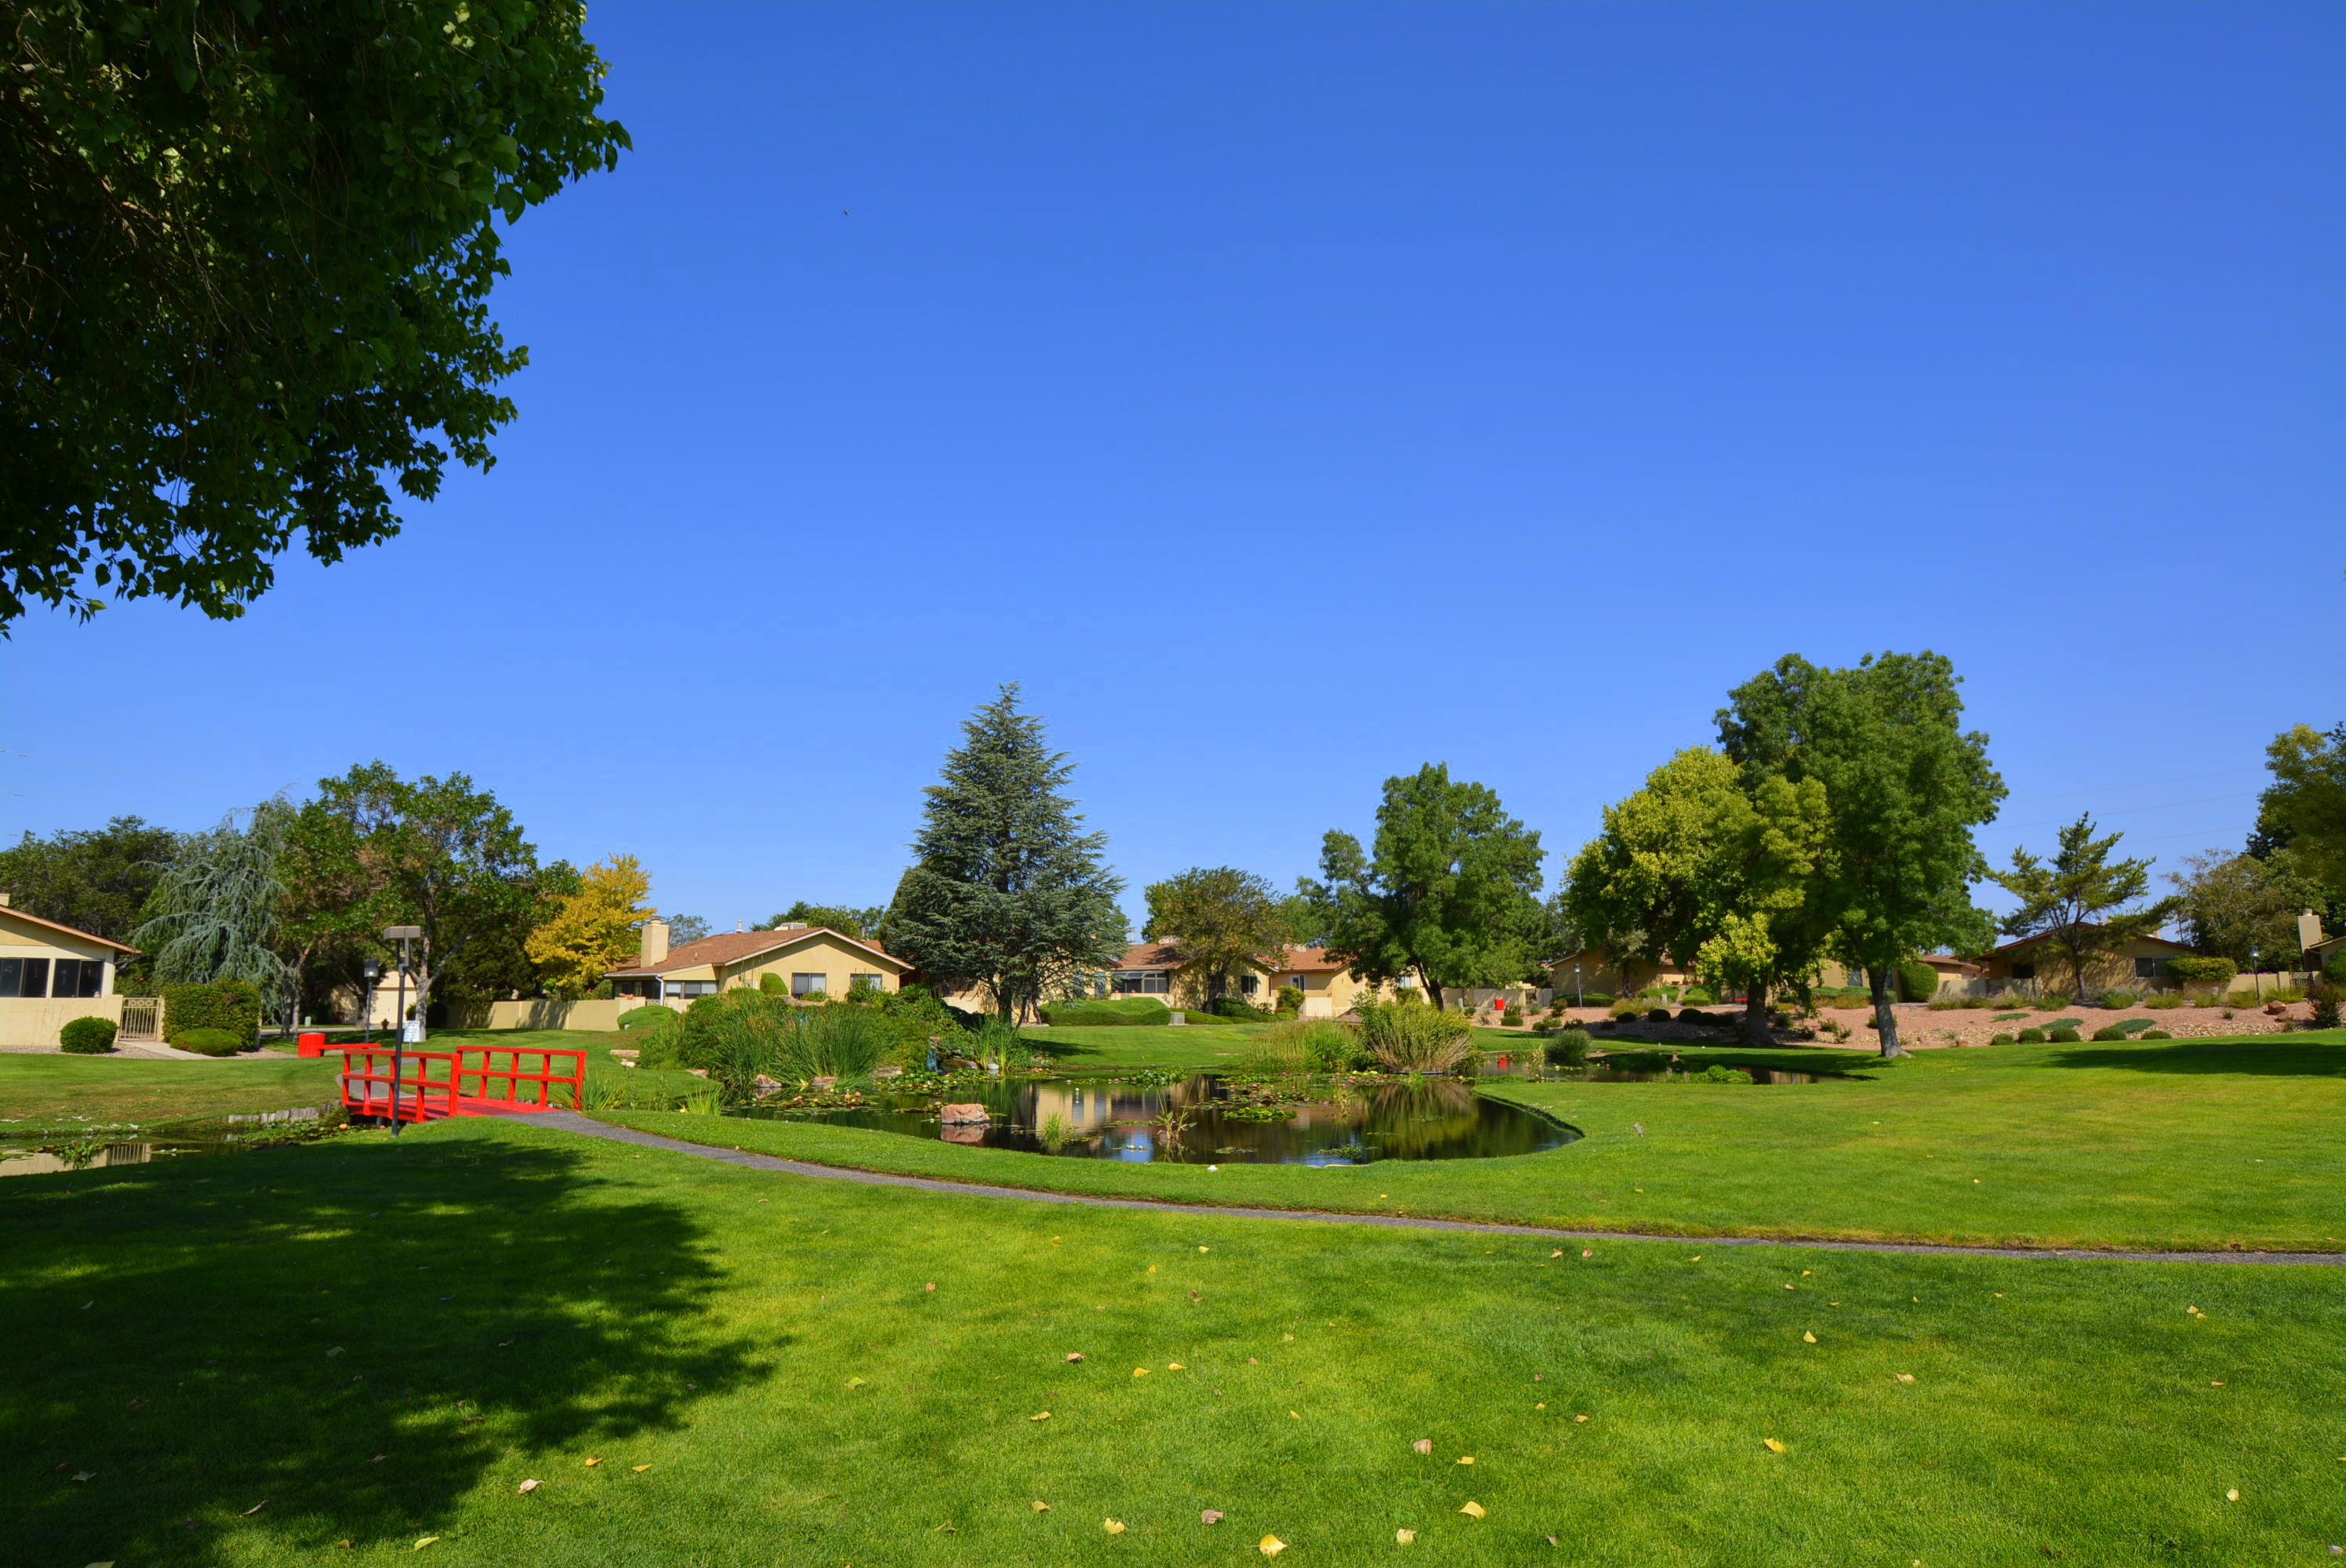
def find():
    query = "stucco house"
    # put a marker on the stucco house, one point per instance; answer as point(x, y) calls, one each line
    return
point(2029, 964)
point(1597, 969)
point(51, 974)
point(1956, 975)
point(1329, 988)
point(813, 962)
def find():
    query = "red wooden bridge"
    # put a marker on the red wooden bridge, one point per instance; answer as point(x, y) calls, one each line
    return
point(464, 1080)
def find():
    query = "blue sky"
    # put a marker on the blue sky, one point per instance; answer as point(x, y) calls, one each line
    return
point(1291, 395)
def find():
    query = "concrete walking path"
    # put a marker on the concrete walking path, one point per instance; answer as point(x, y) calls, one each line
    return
point(572, 1121)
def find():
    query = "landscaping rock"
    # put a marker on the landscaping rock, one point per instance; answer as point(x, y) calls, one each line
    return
point(952, 1114)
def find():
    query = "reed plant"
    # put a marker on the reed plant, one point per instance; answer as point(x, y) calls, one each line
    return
point(1409, 1036)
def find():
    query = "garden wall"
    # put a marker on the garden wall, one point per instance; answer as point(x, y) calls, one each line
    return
point(36, 1020)
point(546, 1013)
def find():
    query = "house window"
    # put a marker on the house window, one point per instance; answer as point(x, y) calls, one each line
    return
point(689, 988)
point(863, 982)
point(2024, 971)
point(24, 977)
point(77, 977)
point(1249, 984)
point(1144, 982)
point(807, 984)
point(2144, 969)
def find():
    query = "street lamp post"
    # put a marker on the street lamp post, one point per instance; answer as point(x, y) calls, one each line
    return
point(1579, 997)
point(402, 934)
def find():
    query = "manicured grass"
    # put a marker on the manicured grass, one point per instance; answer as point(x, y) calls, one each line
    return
point(508, 1303)
point(2180, 1145)
point(1192, 1047)
point(42, 1093)
point(78, 1093)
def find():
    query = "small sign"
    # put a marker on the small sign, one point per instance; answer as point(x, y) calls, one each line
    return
point(411, 1032)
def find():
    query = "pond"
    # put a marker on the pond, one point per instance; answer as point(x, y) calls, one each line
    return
point(1198, 1121)
point(48, 1156)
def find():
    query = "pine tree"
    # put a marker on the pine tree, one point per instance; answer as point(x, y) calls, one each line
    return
point(1006, 892)
point(2077, 901)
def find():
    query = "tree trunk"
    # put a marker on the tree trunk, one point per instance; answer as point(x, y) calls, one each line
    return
point(1433, 992)
point(1882, 979)
point(1755, 1017)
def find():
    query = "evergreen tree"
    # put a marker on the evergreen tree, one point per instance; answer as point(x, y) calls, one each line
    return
point(2078, 902)
point(93, 880)
point(1006, 892)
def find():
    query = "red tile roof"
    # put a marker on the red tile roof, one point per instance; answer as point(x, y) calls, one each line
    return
point(734, 946)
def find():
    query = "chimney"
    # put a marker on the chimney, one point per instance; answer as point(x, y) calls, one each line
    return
point(792, 925)
point(3, 900)
point(654, 943)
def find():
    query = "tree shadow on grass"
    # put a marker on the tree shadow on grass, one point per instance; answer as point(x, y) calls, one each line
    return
point(332, 1343)
point(2288, 1055)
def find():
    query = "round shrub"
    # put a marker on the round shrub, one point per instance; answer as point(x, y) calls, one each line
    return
point(2107, 1031)
point(2031, 1037)
point(1716, 1073)
point(1698, 995)
point(651, 1015)
point(87, 1037)
point(2063, 1037)
point(208, 1041)
point(2000, 1040)
point(1569, 1048)
point(1917, 981)
point(2157, 1034)
point(1658, 1015)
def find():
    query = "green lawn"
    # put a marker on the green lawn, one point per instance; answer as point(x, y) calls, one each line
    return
point(78, 1093)
point(252, 1359)
point(2168, 1145)
point(1198, 1047)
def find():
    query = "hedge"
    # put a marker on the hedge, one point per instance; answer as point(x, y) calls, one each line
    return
point(211, 1042)
point(651, 1015)
point(87, 1037)
point(1917, 981)
point(1094, 1014)
point(231, 1006)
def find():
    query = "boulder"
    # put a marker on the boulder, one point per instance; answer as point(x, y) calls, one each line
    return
point(954, 1114)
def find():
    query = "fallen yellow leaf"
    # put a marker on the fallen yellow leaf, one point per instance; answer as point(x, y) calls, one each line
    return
point(592, 1461)
point(1772, 1445)
point(1579, 1419)
point(1152, 1268)
point(1205, 1249)
point(1465, 1459)
point(1271, 1547)
point(1174, 1367)
point(1539, 1407)
point(1557, 1253)
point(1808, 1337)
point(641, 1468)
point(1405, 1536)
point(1472, 1509)
point(1113, 1526)
point(526, 1487)
point(1287, 1338)
point(1293, 1417)
point(425, 1542)
point(1905, 1376)
point(1041, 1506)
point(2232, 1495)
point(1040, 1416)
point(1806, 1272)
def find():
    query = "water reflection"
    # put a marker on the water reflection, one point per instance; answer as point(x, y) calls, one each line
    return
point(1199, 1121)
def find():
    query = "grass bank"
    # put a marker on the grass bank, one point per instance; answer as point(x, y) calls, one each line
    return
point(339, 1351)
point(2167, 1144)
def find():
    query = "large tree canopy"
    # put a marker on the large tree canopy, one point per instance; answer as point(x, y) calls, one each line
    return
point(93, 880)
point(1221, 920)
point(2302, 813)
point(1905, 786)
point(1006, 890)
point(245, 260)
point(1449, 891)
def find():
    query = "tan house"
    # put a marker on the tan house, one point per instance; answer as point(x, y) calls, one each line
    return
point(2031, 965)
point(1329, 988)
point(51, 974)
point(1596, 968)
point(1957, 976)
point(811, 962)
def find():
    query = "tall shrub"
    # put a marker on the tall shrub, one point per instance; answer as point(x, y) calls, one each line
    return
point(1410, 1036)
point(231, 1006)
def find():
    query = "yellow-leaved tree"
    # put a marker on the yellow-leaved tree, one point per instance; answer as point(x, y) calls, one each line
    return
point(596, 928)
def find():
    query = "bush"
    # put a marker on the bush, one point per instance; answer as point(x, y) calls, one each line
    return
point(232, 1006)
point(1948, 1003)
point(1243, 1011)
point(1627, 1008)
point(2167, 999)
point(2032, 1037)
point(87, 1037)
point(1917, 981)
point(1658, 1015)
point(1594, 999)
point(1716, 1073)
point(211, 1042)
point(2284, 994)
point(2213, 972)
point(2062, 1036)
point(1568, 1048)
point(2000, 1040)
point(1289, 1001)
point(2325, 1007)
point(1409, 1036)
point(1317, 1045)
point(1094, 1014)
point(2157, 1034)
point(2107, 1031)
point(773, 984)
point(2053, 1004)
point(651, 1015)
point(739, 1035)
point(1698, 995)
point(2334, 971)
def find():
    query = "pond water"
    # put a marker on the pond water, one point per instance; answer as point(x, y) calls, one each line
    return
point(1117, 1119)
point(94, 1154)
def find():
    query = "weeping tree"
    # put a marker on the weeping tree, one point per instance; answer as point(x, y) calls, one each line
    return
point(213, 914)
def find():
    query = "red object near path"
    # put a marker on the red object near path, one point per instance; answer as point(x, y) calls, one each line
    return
point(311, 1045)
point(468, 1081)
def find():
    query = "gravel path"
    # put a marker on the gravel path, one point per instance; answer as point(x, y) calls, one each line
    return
point(572, 1121)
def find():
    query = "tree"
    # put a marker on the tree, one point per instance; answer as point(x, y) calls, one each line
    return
point(1220, 922)
point(1006, 892)
point(685, 928)
point(2078, 902)
point(1450, 892)
point(96, 879)
point(1905, 786)
point(436, 853)
point(862, 924)
point(1694, 868)
point(2303, 810)
point(246, 254)
point(2243, 908)
point(598, 928)
point(214, 912)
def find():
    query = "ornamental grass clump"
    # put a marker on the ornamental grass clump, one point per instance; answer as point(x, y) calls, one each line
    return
point(740, 1036)
point(1410, 1036)
point(1569, 1048)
